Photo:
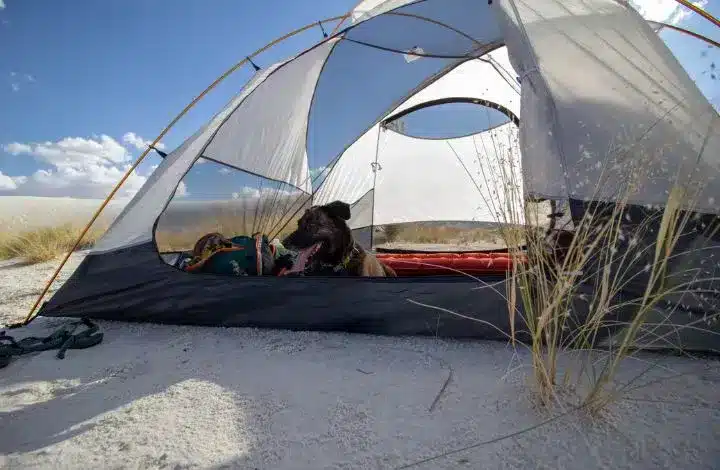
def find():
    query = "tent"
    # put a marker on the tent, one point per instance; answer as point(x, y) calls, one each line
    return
point(599, 96)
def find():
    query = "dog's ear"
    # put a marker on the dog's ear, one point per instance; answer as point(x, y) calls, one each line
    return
point(337, 209)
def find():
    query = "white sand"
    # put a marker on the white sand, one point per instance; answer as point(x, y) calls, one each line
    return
point(190, 397)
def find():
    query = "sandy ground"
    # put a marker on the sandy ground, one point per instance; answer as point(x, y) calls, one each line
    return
point(190, 397)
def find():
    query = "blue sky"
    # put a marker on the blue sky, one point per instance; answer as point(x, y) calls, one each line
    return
point(91, 81)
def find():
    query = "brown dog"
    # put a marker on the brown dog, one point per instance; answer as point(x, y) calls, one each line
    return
point(323, 231)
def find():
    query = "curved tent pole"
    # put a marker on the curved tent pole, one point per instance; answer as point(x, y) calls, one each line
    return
point(450, 100)
point(700, 12)
point(145, 152)
point(345, 17)
point(342, 20)
point(688, 32)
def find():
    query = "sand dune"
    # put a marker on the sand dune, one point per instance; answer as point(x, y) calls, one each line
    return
point(155, 396)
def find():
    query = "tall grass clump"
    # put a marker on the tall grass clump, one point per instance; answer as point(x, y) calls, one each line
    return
point(586, 294)
point(45, 243)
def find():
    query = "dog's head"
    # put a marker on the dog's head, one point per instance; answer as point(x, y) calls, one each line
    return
point(325, 228)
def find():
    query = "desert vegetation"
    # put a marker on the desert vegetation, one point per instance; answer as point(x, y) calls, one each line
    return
point(611, 289)
point(44, 243)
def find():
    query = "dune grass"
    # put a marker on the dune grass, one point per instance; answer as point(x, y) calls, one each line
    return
point(571, 300)
point(45, 243)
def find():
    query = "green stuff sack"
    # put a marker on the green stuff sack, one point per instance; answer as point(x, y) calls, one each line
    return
point(260, 256)
point(237, 256)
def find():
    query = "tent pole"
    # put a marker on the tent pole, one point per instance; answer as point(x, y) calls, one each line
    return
point(345, 17)
point(375, 167)
point(699, 11)
point(142, 156)
point(690, 33)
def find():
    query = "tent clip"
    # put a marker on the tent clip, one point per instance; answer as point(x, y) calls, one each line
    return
point(325, 34)
point(159, 152)
point(526, 73)
point(253, 64)
point(376, 166)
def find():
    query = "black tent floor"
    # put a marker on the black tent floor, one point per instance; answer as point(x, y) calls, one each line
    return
point(136, 285)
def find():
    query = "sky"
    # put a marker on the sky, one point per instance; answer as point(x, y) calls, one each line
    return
point(86, 85)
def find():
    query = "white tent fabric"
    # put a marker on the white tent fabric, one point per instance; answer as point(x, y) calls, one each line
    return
point(363, 8)
point(608, 111)
point(601, 97)
point(278, 108)
point(353, 174)
point(460, 180)
point(475, 79)
point(135, 223)
point(421, 180)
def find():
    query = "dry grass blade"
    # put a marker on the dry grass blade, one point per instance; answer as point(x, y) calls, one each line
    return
point(44, 244)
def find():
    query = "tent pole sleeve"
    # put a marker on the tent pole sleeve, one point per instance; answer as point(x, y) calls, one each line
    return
point(142, 156)
point(700, 12)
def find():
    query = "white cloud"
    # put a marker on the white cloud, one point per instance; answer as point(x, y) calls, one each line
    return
point(15, 87)
point(246, 191)
point(225, 171)
point(11, 183)
point(666, 11)
point(78, 167)
point(12, 74)
point(29, 78)
point(315, 172)
point(16, 148)
point(77, 151)
point(6, 183)
point(138, 142)
point(2, 5)
point(254, 193)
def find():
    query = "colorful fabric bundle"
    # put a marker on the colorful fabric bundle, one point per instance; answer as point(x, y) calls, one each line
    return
point(237, 256)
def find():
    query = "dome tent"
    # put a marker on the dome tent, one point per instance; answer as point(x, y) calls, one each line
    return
point(624, 85)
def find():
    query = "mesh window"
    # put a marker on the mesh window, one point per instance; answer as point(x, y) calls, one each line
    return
point(358, 86)
point(439, 236)
point(447, 28)
point(448, 120)
point(216, 198)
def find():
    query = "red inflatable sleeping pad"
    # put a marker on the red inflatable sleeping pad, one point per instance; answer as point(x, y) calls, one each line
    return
point(434, 264)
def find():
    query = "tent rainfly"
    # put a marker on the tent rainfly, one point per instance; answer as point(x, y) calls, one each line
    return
point(601, 96)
